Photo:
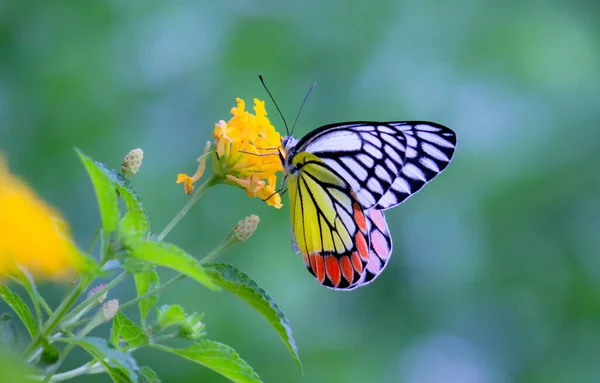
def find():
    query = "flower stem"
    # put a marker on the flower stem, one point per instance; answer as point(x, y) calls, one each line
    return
point(197, 194)
point(155, 291)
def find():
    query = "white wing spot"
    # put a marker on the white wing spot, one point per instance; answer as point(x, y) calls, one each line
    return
point(373, 151)
point(389, 139)
point(393, 154)
point(345, 140)
point(374, 186)
point(372, 139)
point(368, 161)
point(355, 168)
point(346, 219)
point(344, 174)
point(363, 128)
point(435, 139)
point(390, 164)
point(429, 164)
point(401, 185)
point(427, 128)
point(411, 141)
point(412, 171)
point(382, 174)
point(434, 152)
point(411, 152)
point(385, 129)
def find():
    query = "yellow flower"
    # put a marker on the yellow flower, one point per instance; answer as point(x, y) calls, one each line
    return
point(32, 234)
point(246, 153)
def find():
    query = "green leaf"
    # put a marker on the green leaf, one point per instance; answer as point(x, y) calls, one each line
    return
point(121, 366)
point(148, 375)
point(171, 256)
point(170, 315)
point(135, 224)
point(124, 329)
point(238, 283)
point(106, 193)
point(16, 303)
point(146, 281)
point(218, 357)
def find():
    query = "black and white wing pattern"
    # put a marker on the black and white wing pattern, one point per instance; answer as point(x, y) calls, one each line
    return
point(368, 155)
point(429, 150)
point(384, 162)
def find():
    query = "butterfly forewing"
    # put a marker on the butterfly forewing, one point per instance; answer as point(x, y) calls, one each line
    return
point(429, 150)
point(329, 225)
point(368, 155)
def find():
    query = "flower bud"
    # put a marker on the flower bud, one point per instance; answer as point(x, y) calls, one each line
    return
point(110, 309)
point(132, 162)
point(244, 229)
point(93, 291)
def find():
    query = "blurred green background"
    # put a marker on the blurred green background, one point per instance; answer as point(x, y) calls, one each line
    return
point(496, 264)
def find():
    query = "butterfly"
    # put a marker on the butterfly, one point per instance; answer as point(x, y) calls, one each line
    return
point(341, 177)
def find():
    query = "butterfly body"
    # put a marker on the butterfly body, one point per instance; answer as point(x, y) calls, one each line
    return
point(340, 179)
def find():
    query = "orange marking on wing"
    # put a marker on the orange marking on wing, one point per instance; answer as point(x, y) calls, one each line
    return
point(316, 262)
point(347, 270)
point(359, 218)
point(332, 268)
point(306, 260)
point(357, 263)
point(361, 246)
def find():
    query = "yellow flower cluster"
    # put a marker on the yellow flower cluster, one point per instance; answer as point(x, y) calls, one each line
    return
point(32, 234)
point(245, 152)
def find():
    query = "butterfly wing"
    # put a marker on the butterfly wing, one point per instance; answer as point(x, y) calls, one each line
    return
point(328, 223)
point(380, 247)
point(372, 156)
point(429, 150)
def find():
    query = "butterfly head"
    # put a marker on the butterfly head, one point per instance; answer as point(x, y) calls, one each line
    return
point(288, 143)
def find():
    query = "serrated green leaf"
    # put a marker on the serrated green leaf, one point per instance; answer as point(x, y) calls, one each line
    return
point(16, 303)
point(146, 281)
point(219, 358)
point(135, 224)
point(170, 315)
point(148, 375)
point(173, 257)
point(231, 279)
point(106, 193)
point(124, 329)
point(121, 366)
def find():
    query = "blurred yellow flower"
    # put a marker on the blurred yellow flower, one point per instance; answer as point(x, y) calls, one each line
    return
point(246, 153)
point(32, 233)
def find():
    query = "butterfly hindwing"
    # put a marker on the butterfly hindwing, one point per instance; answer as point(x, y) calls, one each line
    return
point(329, 225)
point(380, 247)
point(429, 150)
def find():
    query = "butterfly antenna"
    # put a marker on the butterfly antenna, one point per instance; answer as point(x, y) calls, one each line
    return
point(302, 106)
point(276, 106)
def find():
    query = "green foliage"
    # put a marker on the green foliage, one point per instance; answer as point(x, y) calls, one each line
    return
point(105, 193)
point(125, 330)
point(121, 367)
point(231, 279)
point(173, 257)
point(146, 281)
point(218, 357)
point(138, 253)
point(148, 375)
point(16, 303)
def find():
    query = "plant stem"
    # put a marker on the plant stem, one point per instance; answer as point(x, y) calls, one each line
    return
point(197, 194)
point(94, 298)
point(150, 293)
